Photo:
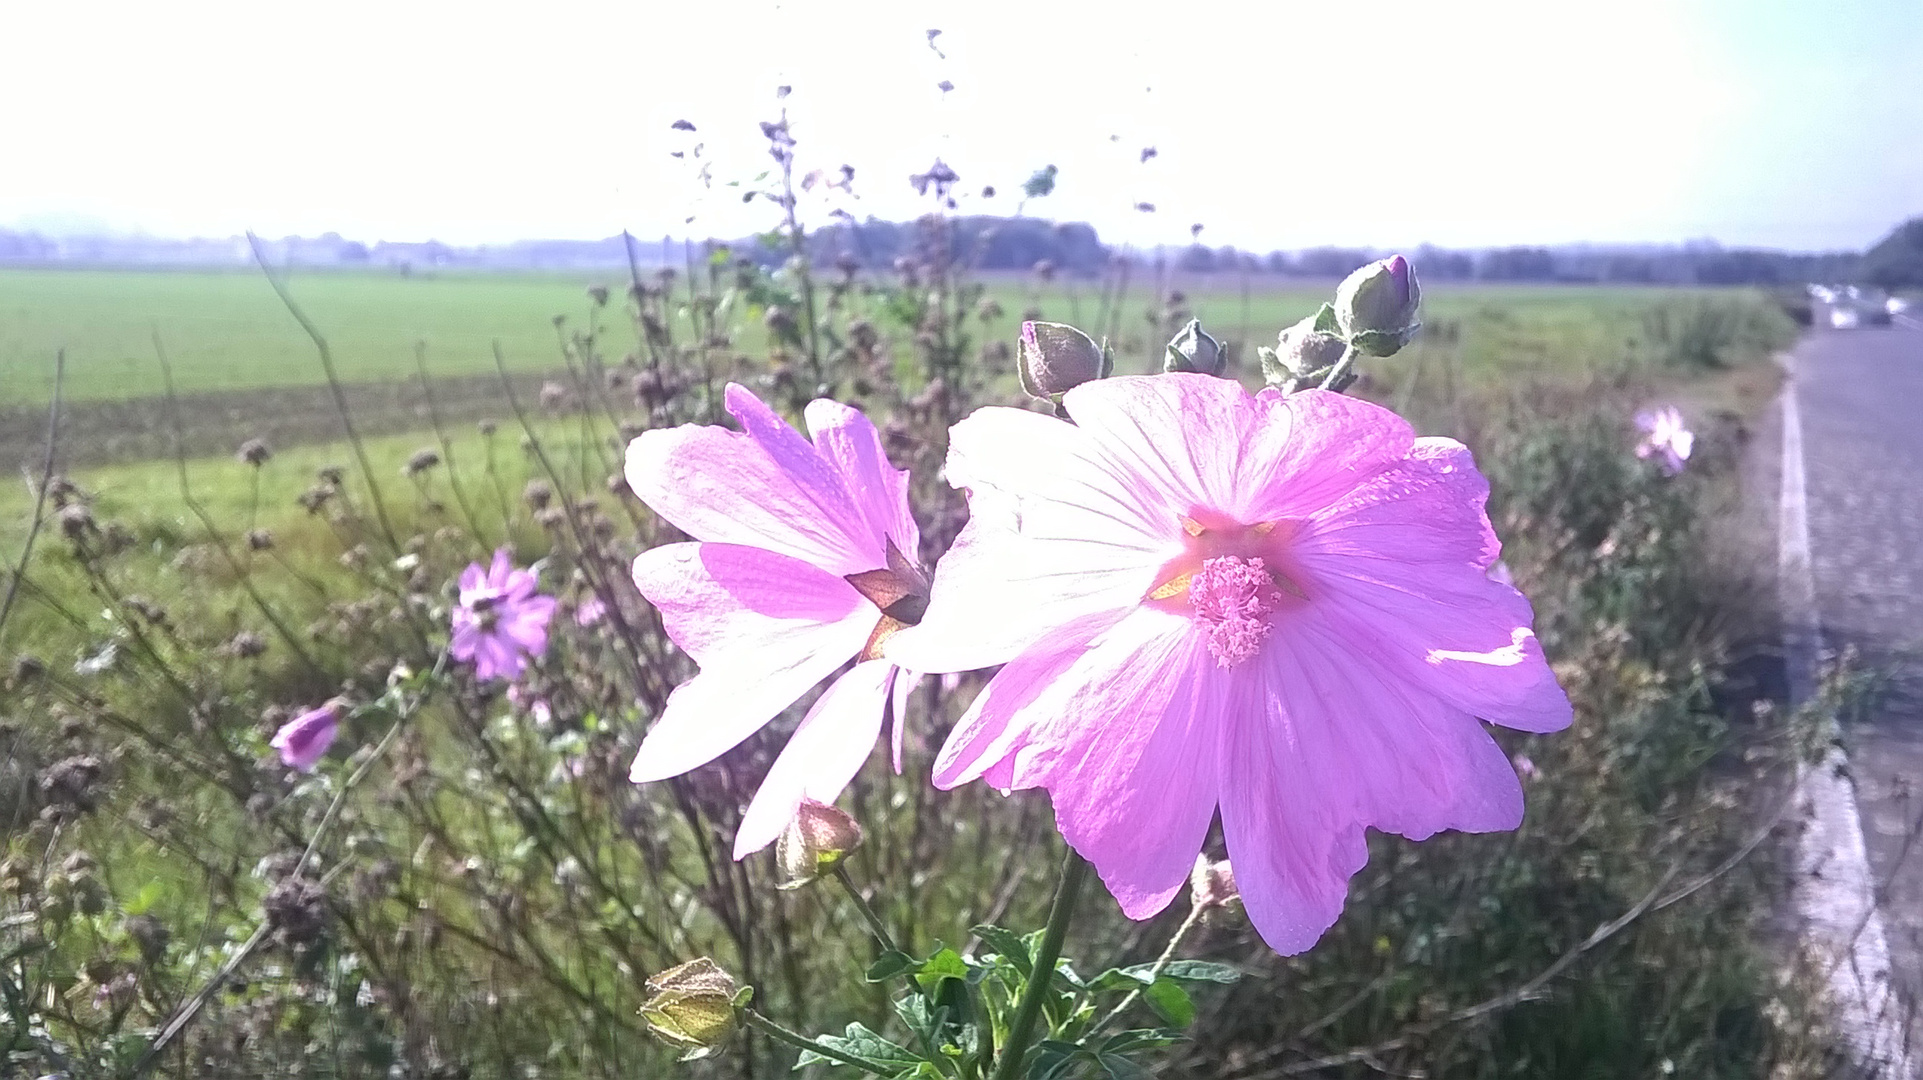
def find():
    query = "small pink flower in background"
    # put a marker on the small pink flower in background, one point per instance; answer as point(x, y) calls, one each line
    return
point(532, 704)
point(1525, 766)
point(1499, 573)
point(1665, 438)
point(590, 611)
point(1275, 606)
point(304, 739)
point(803, 561)
point(499, 620)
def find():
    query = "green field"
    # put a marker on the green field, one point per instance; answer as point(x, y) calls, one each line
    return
point(227, 331)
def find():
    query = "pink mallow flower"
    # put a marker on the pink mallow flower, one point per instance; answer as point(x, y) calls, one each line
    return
point(1665, 438)
point(499, 620)
point(1275, 606)
point(805, 561)
point(303, 740)
point(589, 611)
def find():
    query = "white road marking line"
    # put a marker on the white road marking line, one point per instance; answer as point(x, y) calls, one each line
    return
point(1834, 890)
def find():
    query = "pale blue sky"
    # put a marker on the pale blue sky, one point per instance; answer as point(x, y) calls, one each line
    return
point(1277, 124)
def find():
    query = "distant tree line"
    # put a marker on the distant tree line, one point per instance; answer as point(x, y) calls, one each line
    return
point(1026, 243)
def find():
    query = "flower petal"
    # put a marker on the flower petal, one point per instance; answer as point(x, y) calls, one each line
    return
point(822, 756)
point(1122, 737)
point(847, 439)
point(1044, 544)
point(1205, 443)
point(1399, 567)
point(765, 486)
point(763, 626)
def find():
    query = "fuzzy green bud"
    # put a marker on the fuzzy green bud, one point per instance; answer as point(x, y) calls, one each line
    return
point(1054, 358)
point(1303, 353)
point(1194, 350)
point(815, 842)
point(1376, 307)
point(692, 1007)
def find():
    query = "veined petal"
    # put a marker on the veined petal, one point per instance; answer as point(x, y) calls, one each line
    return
point(1400, 568)
point(1043, 546)
point(1372, 748)
point(822, 756)
point(722, 599)
point(1202, 442)
point(848, 441)
point(764, 627)
point(1292, 864)
point(1121, 733)
point(765, 487)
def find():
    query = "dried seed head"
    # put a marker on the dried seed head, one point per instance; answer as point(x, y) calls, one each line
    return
point(246, 645)
point(537, 494)
point(259, 539)
point(420, 461)
point(692, 1007)
point(254, 452)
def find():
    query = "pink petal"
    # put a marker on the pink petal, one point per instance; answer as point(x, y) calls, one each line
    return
point(1122, 734)
point(1206, 443)
point(1292, 866)
point(847, 439)
point(764, 487)
point(1400, 569)
point(1002, 713)
point(900, 688)
point(763, 626)
point(822, 756)
point(1372, 748)
point(1044, 544)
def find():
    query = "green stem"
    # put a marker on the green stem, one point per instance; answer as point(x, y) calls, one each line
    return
point(1042, 976)
point(1332, 381)
point(875, 925)
point(797, 1039)
point(1154, 973)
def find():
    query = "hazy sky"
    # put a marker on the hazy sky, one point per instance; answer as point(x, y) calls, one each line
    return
point(1277, 123)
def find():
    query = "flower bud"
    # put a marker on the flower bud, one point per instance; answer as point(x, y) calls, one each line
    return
point(1055, 358)
point(815, 842)
point(1194, 350)
point(1212, 884)
point(692, 1007)
point(1302, 353)
point(1376, 306)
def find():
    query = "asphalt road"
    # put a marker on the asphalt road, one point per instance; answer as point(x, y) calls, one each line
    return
point(1861, 397)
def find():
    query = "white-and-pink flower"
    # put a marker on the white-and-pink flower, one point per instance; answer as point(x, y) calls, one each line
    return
point(1665, 437)
point(803, 549)
point(1275, 607)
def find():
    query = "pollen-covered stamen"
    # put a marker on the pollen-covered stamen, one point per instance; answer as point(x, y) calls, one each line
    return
point(1233, 597)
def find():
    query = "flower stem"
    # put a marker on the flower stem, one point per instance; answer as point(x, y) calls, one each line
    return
point(797, 1039)
point(1154, 973)
point(1042, 975)
point(875, 925)
point(1334, 380)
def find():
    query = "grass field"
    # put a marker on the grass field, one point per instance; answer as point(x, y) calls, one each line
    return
point(227, 331)
point(497, 875)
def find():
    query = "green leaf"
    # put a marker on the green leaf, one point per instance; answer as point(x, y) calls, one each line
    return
point(1121, 1068)
point(1190, 971)
point(1129, 978)
point(1171, 1002)
point(1135, 1039)
point(146, 898)
point(892, 963)
point(1325, 319)
point(1008, 944)
point(945, 964)
point(863, 1043)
